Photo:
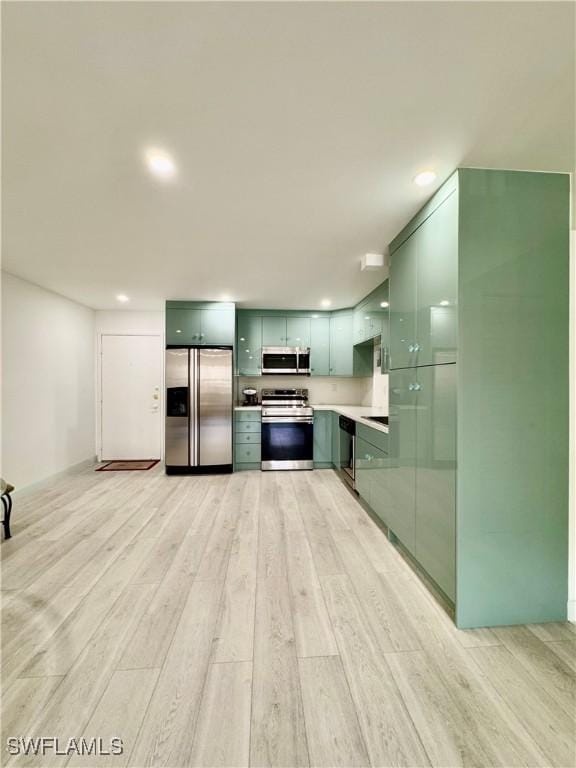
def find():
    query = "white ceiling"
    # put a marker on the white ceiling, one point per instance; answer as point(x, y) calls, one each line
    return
point(297, 129)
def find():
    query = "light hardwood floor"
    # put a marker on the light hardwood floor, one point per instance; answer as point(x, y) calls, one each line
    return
point(256, 619)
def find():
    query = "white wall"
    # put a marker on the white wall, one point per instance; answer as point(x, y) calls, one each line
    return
point(131, 323)
point(48, 382)
point(378, 394)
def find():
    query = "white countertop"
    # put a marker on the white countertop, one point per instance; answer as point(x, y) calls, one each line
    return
point(357, 413)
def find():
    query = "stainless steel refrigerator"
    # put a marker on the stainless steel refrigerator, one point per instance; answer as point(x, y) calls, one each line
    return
point(198, 410)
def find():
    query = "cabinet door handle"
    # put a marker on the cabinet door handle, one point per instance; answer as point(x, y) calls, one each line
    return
point(416, 348)
point(417, 387)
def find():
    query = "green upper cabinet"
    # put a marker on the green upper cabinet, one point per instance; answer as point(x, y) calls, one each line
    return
point(437, 285)
point(403, 271)
point(341, 347)
point(249, 344)
point(370, 314)
point(274, 332)
point(320, 346)
point(424, 286)
point(322, 438)
point(217, 327)
point(335, 439)
point(297, 331)
point(208, 323)
point(183, 326)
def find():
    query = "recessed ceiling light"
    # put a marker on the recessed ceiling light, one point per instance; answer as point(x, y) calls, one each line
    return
point(424, 178)
point(122, 297)
point(444, 303)
point(384, 304)
point(326, 302)
point(160, 163)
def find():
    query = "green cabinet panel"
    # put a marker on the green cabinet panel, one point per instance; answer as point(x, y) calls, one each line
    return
point(371, 466)
point(369, 315)
point(437, 286)
point(401, 481)
point(362, 469)
point(436, 474)
point(183, 326)
point(341, 347)
point(322, 437)
point(403, 272)
point(274, 331)
point(248, 426)
point(320, 346)
point(249, 344)
point(376, 437)
point(335, 439)
point(477, 477)
point(247, 437)
point(247, 415)
point(298, 331)
point(513, 397)
point(217, 327)
point(202, 325)
point(245, 453)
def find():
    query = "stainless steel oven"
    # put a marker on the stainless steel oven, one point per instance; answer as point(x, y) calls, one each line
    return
point(348, 450)
point(282, 360)
point(287, 438)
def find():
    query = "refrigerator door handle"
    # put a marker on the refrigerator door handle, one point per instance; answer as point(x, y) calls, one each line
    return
point(193, 422)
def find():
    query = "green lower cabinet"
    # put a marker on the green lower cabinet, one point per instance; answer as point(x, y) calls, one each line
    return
point(436, 475)
point(363, 469)
point(247, 428)
point(320, 346)
point(249, 344)
point(247, 454)
point(401, 481)
point(322, 438)
point(335, 439)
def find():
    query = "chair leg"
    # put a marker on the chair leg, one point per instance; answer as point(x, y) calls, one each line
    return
point(7, 503)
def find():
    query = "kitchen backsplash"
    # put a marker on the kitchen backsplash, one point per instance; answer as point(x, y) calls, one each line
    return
point(378, 396)
point(323, 390)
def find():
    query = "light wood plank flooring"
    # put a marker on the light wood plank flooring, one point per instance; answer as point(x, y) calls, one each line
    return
point(256, 619)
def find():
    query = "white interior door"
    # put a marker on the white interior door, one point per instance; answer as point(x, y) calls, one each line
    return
point(131, 416)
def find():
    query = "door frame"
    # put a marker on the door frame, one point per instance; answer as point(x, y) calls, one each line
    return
point(99, 400)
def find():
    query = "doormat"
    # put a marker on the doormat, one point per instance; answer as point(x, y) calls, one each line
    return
point(127, 466)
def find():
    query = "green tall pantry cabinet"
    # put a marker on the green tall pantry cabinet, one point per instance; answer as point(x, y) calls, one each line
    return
point(476, 481)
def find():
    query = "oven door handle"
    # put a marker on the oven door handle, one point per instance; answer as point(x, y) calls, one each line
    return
point(287, 420)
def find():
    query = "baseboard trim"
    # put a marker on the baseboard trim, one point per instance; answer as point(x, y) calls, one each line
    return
point(39, 484)
point(572, 610)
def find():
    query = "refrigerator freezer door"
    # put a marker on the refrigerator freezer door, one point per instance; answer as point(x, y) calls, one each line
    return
point(215, 406)
point(177, 407)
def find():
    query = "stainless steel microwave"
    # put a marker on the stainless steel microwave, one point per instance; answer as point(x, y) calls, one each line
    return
point(293, 360)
